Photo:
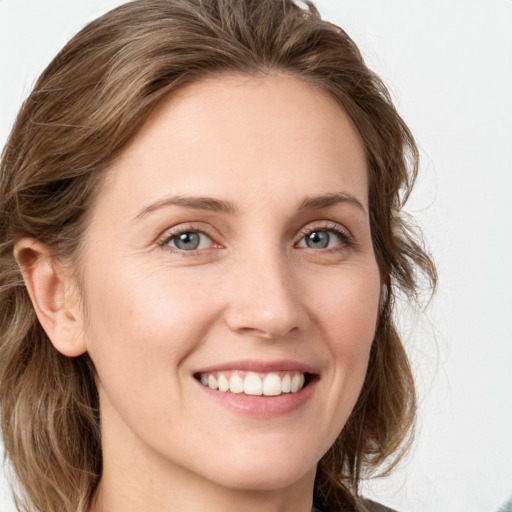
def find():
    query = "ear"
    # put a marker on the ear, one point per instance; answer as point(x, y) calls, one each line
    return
point(54, 296)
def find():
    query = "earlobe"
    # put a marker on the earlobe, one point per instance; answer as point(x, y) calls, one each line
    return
point(54, 296)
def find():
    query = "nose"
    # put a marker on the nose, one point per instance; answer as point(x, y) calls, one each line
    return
point(264, 299)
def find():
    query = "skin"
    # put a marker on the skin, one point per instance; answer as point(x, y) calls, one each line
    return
point(253, 290)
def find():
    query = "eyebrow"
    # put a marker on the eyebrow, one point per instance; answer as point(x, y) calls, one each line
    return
point(316, 203)
point(211, 204)
point(197, 203)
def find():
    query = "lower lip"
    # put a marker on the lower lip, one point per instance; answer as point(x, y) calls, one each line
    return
point(262, 406)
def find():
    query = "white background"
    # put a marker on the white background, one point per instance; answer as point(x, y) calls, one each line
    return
point(448, 64)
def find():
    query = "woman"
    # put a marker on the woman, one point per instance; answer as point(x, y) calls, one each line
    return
point(201, 249)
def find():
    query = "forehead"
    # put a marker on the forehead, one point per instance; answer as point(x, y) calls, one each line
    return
point(229, 134)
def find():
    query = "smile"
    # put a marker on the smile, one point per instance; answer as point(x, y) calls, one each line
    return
point(253, 383)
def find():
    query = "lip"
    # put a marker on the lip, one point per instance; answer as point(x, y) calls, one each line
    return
point(251, 365)
point(262, 406)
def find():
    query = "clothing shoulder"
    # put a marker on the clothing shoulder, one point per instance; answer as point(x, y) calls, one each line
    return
point(372, 506)
point(506, 507)
point(368, 506)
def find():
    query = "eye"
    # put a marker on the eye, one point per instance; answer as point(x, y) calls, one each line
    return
point(189, 241)
point(324, 239)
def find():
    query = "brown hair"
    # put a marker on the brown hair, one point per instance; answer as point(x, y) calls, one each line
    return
point(86, 105)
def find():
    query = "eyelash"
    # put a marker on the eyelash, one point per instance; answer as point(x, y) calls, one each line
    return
point(332, 227)
point(165, 240)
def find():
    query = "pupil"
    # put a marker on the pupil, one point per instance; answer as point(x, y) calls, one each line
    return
point(318, 240)
point(187, 241)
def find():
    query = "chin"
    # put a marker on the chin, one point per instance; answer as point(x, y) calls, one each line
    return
point(272, 481)
point(265, 473)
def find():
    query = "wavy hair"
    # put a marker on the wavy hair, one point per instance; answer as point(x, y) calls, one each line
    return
point(87, 104)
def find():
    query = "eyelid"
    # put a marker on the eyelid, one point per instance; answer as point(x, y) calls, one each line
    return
point(341, 230)
point(164, 239)
point(167, 235)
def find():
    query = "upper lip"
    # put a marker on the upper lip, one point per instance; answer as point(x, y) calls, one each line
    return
point(252, 365)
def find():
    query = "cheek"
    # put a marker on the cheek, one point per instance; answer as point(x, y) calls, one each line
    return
point(143, 320)
point(142, 328)
point(349, 318)
point(352, 309)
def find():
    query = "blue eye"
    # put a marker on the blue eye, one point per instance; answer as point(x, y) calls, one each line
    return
point(189, 241)
point(322, 239)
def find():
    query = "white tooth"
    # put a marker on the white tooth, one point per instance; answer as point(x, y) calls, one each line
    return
point(223, 383)
point(212, 382)
point(252, 384)
point(296, 382)
point(286, 385)
point(236, 384)
point(302, 380)
point(272, 385)
point(204, 379)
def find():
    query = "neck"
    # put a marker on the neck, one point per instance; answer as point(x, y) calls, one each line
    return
point(183, 493)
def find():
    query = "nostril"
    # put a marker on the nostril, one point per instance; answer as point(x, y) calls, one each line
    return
point(265, 306)
point(265, 326)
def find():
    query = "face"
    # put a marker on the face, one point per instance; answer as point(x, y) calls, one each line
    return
point(231, 285)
